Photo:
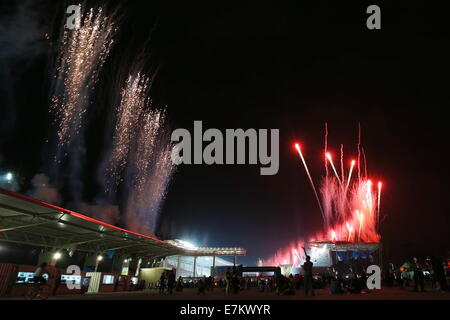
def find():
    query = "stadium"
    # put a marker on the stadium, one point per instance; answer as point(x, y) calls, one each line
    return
point(109, 258)
point(341, 258)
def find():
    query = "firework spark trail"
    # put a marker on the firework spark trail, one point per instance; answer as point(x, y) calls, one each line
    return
point(291, 256)
point(362, 204)
point(138, 127)
point(134, 99)
point(297, 254)
point(365, 162)
point(328, 156)
point(297, 147)
point(342, 163)
point(352, 164)
point(82, 55)
point(133, 114)
point(379, 203)
point(350, 214)
point(360, 219)
point(327, 200)
point(141, 154)
point(326, 147)
point(359, 151)
point(153, 122)
point(350, 230)
point(145, 201)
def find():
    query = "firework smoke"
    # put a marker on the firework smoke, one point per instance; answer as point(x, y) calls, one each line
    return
point(43, 190)
point(21, 41)
point(102, 211)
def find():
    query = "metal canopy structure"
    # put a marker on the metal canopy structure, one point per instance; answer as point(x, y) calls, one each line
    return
point(29, 221)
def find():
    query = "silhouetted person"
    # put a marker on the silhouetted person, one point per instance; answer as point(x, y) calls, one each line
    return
point(290, 286)
point(227, 281)
point(162, 283)
point(210, 283)
point(418, 275)
point(57, 284)
point(179, 284)
point(235, 283)
point(308, 268)
point(261, 285)
point(355, 284)
point(201, 286)
point(39, 274)
point(280, 283)
point(335, 286)
point(170, 281)
point(439, 273)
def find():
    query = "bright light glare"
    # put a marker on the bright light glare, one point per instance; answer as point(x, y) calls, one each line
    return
point(187, 244)
point(57, 255)
point(9, 176)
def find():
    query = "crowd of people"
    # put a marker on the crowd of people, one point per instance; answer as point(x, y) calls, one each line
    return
point(349, 277)
point(351, 281)
point(233, 282)
point(167, 282)
point(416, 273)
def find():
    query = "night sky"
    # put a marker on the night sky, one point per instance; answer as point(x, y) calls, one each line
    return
point(290, 66)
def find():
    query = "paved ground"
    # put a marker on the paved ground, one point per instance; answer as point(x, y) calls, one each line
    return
point(252, 294)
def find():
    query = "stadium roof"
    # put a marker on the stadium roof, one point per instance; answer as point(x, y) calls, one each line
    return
point(344, 246)
point(29, 221)
point(207, 251)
